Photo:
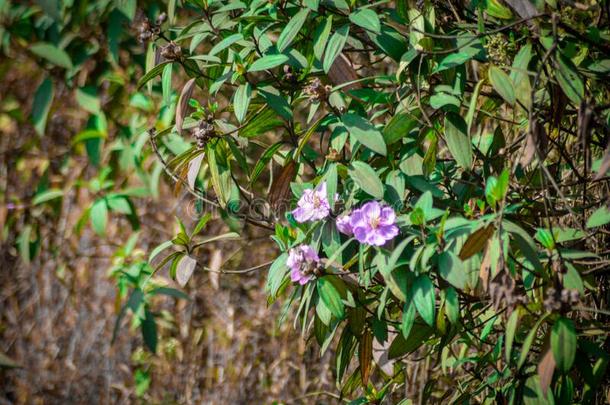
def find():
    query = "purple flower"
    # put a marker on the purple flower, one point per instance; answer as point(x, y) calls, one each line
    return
point(344, 225)
point(313, 205)
point(374, 224)
point(302, 261)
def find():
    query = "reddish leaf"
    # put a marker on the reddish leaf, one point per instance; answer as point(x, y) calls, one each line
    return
point(605, 166)
point(365, 355)
point(546, 366)
point(342, 71)
point(280, 188)
point(476, 241)
point(536, 141)
point(183, 104)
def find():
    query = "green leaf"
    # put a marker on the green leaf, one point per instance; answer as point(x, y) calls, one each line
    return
point(152, 73)
point(563, 343)
point(572, 279)
point(241, 101)
point(149, 331)
point(600, 217)
point(398, 127)
point(119, 203)
point(291, 29)
point(502, 84)
point(335, 46)
point(264, 159)
point(155, 252)
point(452, 60)
point(276, 274)
point(166, 84)
point(545, 237)
point(277, 102)
point(423, 297)
point(527, 343)
point(419, 333)
point(267, 62)
point(366, 178)
point(320, 37)
point(496, 9)
point(408, 319)
point(440, 99)
point(511, 328)
point(451, 268)
point(225, 43)
point(458, 140)
point(127, 8)
point(569, 80)
point(367, 19)
point(87, 98)
point(331, 177)
point(47, 195)
point(472, 108)
point(53, 54)
point(261, 123)
point(520, 77)
point(394, 277)
point(202, 223)
point(99, 216)
point(312, 4)
point(43, 99)
point(390, 42)
point(452, 305)
point(331, 297)
point(365, 132)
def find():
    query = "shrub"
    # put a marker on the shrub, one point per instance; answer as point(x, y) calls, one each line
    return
point(434, 175)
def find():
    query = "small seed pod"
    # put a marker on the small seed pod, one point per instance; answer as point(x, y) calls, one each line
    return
point(171, 51)
point(204, 132)
point(145, 32)
point(162, 18)
point(316, 91)
point(333, 155)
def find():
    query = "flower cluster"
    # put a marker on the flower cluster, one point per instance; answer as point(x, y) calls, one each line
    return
point(372, 224)
point(313, 205)
point(303, 262)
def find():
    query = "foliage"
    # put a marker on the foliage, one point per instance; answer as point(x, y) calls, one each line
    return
point(493, 162)
point(481, 128)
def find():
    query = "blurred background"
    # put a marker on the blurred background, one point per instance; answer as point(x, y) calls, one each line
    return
point(72, 123)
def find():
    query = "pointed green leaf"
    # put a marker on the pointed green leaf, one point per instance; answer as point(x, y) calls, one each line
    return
point(99, 216)
point(458, 140)
point(423, 297)
point(502, 84)
point(335, 46)
point(366, 178)
point(451, 268)
point(291, 29)
point(53, 54)
point(367, 19)
point(569, 80)
point(225, 43)
point(320, 37)
point(330, 296)
point(43, 98)
point(600, 217)
point(563, 343)
point(267, 62)
point(241, 101)
point(365, 132)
